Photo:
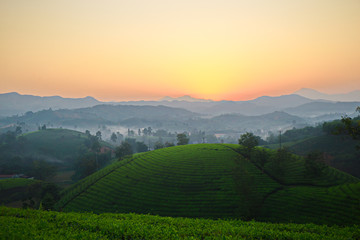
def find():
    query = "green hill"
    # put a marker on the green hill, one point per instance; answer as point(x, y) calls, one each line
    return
point(63, 144)
point(35, 224)
point(216, 181)
point(53, 145)
point(340, 151)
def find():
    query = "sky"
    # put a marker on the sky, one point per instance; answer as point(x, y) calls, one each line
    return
point(146, 49)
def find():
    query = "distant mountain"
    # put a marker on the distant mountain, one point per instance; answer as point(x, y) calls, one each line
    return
point(14, 103)
point(284, 101)
point(315, 109)
point(344, 97)
point(103, 114)
point(186, 98)
point(237, 123)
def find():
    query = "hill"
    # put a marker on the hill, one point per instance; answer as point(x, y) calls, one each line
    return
point(103, 114)
point(15, 103)
point(340, 151)
point(217, 181)
point(36, 224)
point(52, 145)
point(316, 109)
point(313, 94)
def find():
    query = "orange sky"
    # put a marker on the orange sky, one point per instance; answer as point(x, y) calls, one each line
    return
point(146, 49)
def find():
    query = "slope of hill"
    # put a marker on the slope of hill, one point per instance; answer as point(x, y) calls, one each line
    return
point(340, 151)
point(212, 181)
point(36, 224)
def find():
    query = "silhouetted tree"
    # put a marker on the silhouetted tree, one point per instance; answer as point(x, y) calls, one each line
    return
point(98, 135)
point(158, 145)
point(260, 157)
point(113, 137)
point(141, 147)
point(182, 139)
point(248, 140)
point(314, 164)
point(123, 150)
point(169, 144)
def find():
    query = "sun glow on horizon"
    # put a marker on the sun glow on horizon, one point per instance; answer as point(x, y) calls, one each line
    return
point(144, 50)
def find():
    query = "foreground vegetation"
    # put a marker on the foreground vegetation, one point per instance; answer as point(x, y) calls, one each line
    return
point(219, 181)
point(36, 224)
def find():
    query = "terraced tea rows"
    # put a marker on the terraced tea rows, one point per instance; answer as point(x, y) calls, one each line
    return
point(196, 180)
point(215, 180)
point(334, 205)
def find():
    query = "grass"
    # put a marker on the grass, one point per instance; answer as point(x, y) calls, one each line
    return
point(214, 181)
point(36, 224)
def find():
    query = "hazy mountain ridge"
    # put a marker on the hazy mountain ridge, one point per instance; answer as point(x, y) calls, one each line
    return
point(316, 95)
point(15, 103)
point(170, 114)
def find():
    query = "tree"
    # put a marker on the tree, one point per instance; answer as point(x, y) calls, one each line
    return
point(43, 127)
point(249, 141)
point(351, 126)
point(42, 170)
point(158, 145)
point(169, 144)
point(182, 139)
point(98, 135)
point(113, 137)
point(141, 147)
point(279, 159)
point(85, 165)
point(314, 164)
point(18, 130)
point(95, 144)
point(123, 150)
point(50, 194)
point(259, 157)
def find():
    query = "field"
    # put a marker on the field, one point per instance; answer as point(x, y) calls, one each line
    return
point(36, 224)
point(217, 181)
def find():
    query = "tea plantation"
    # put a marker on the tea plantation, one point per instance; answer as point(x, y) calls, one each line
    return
point(36, 224)
point(218, 181)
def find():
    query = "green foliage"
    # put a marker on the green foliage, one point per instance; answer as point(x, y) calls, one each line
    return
point(182, 139)
point(249, 140)
point(158, 145)
point(113, 137)
point(35, 224)
point(169, 144)
point(339, 151)
point(15, 182)
point(210, 181)
point(50, 194)
point(314, 164)
point(123, 150)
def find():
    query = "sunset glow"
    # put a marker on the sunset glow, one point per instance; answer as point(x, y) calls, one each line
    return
point(147, 49)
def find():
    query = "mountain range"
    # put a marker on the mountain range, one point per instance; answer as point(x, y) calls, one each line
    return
point(353, 96)
point(296, 104)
